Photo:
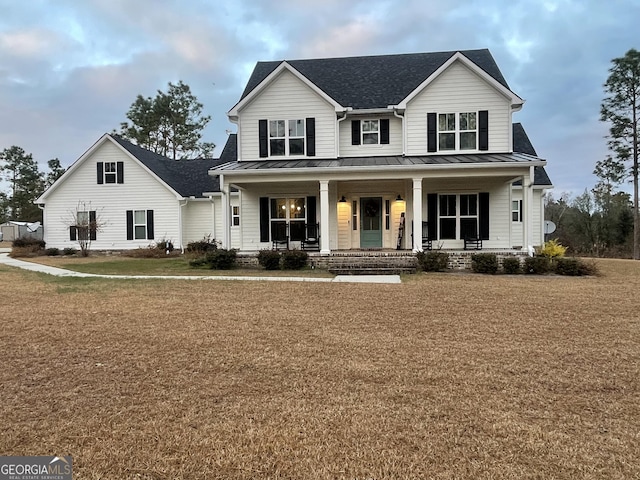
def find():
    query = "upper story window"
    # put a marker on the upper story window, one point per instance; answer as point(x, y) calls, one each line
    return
point(370, 132)
point(278, 138)
point(458, 131)
point(286, 137)
point(110, 172)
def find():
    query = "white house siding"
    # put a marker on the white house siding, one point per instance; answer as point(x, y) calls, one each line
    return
point(393, 148)
point(197, 221)
point(456, 90)
point(287, 98)
point(517, 228)
point(538, 220)
point(140, 191)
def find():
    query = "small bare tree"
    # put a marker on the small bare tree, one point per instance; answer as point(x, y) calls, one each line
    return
point(84, 223)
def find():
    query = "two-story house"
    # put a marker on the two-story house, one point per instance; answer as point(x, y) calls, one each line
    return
point(330, 154)
point(369, 147)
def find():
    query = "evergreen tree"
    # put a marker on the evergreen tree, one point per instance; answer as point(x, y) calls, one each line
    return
point(55, 171)
point(26, 183)
point(621, 108)
point(170, 124)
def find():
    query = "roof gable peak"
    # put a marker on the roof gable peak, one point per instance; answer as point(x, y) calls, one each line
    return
point(270, 78)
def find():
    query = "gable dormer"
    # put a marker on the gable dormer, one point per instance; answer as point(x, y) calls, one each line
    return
point(285, 117)
point(460, 109)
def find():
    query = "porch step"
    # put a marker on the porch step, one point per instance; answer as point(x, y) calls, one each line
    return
point(354, 270)
point(370, 264)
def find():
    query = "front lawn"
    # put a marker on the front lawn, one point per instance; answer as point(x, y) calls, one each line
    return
point(444, 376)
point(121, 265)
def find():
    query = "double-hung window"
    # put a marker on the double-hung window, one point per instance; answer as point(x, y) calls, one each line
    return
point(286, 137)
point(110, 172)
point(458, 216)
point(370, 132)
point(140, 225)
point(235, 216)
point(85, 227)
point(457, 131)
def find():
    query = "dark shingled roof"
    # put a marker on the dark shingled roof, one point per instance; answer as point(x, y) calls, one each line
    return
point(189, 178)
point(375, 81)
point(522, 144)
point(523, 152)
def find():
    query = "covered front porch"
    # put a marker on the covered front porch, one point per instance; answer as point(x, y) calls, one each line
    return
point(379, 208)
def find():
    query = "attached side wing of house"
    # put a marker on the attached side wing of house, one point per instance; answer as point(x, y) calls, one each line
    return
point(134, 197)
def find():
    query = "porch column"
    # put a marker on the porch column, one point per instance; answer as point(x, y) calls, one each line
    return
point(324, 218)
point(226, 209)
point(417, 215)
point(527, 209)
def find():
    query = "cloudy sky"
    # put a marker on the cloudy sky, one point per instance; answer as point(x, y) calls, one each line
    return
point(70, 69)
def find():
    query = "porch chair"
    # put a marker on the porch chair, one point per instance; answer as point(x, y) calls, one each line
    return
point(426, 239)
point(311, 240)
point(279, 236)
point(472, 241)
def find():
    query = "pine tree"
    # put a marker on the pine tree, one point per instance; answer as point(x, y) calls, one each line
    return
point(621, 108)
point(170, 124)
point(26, 183)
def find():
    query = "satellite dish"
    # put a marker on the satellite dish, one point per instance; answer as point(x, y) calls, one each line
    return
point(33, 227)
point(549, 227)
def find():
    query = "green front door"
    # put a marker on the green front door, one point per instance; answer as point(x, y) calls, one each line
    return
point(371, 222)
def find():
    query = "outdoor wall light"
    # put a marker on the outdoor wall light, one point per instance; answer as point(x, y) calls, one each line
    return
point(343, 199)
point(399, 198)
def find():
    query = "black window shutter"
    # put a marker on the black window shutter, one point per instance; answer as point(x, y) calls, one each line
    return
point(263, 138)
point(311, 210)
point(100, 166)
point(483, 127)
point(73, 234)
point(520, 210)
point(355, 132)
point(150, 232)
point(483, 215)
point(384, 131)
point(129, 224)
point(264, 219)
point(120, 172)
point(432, 133)
point(92, 225)
point(310, 125)
point(432, 215)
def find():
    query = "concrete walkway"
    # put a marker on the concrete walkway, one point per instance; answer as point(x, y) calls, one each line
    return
point(5, 259)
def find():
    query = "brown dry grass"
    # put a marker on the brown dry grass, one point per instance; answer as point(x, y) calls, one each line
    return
point(444, 376)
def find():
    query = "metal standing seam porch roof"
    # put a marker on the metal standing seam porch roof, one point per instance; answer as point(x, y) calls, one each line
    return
point(393, 160)
point(524, 152)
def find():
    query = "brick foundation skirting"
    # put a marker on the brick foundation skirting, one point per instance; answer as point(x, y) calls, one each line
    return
point(402, 262)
